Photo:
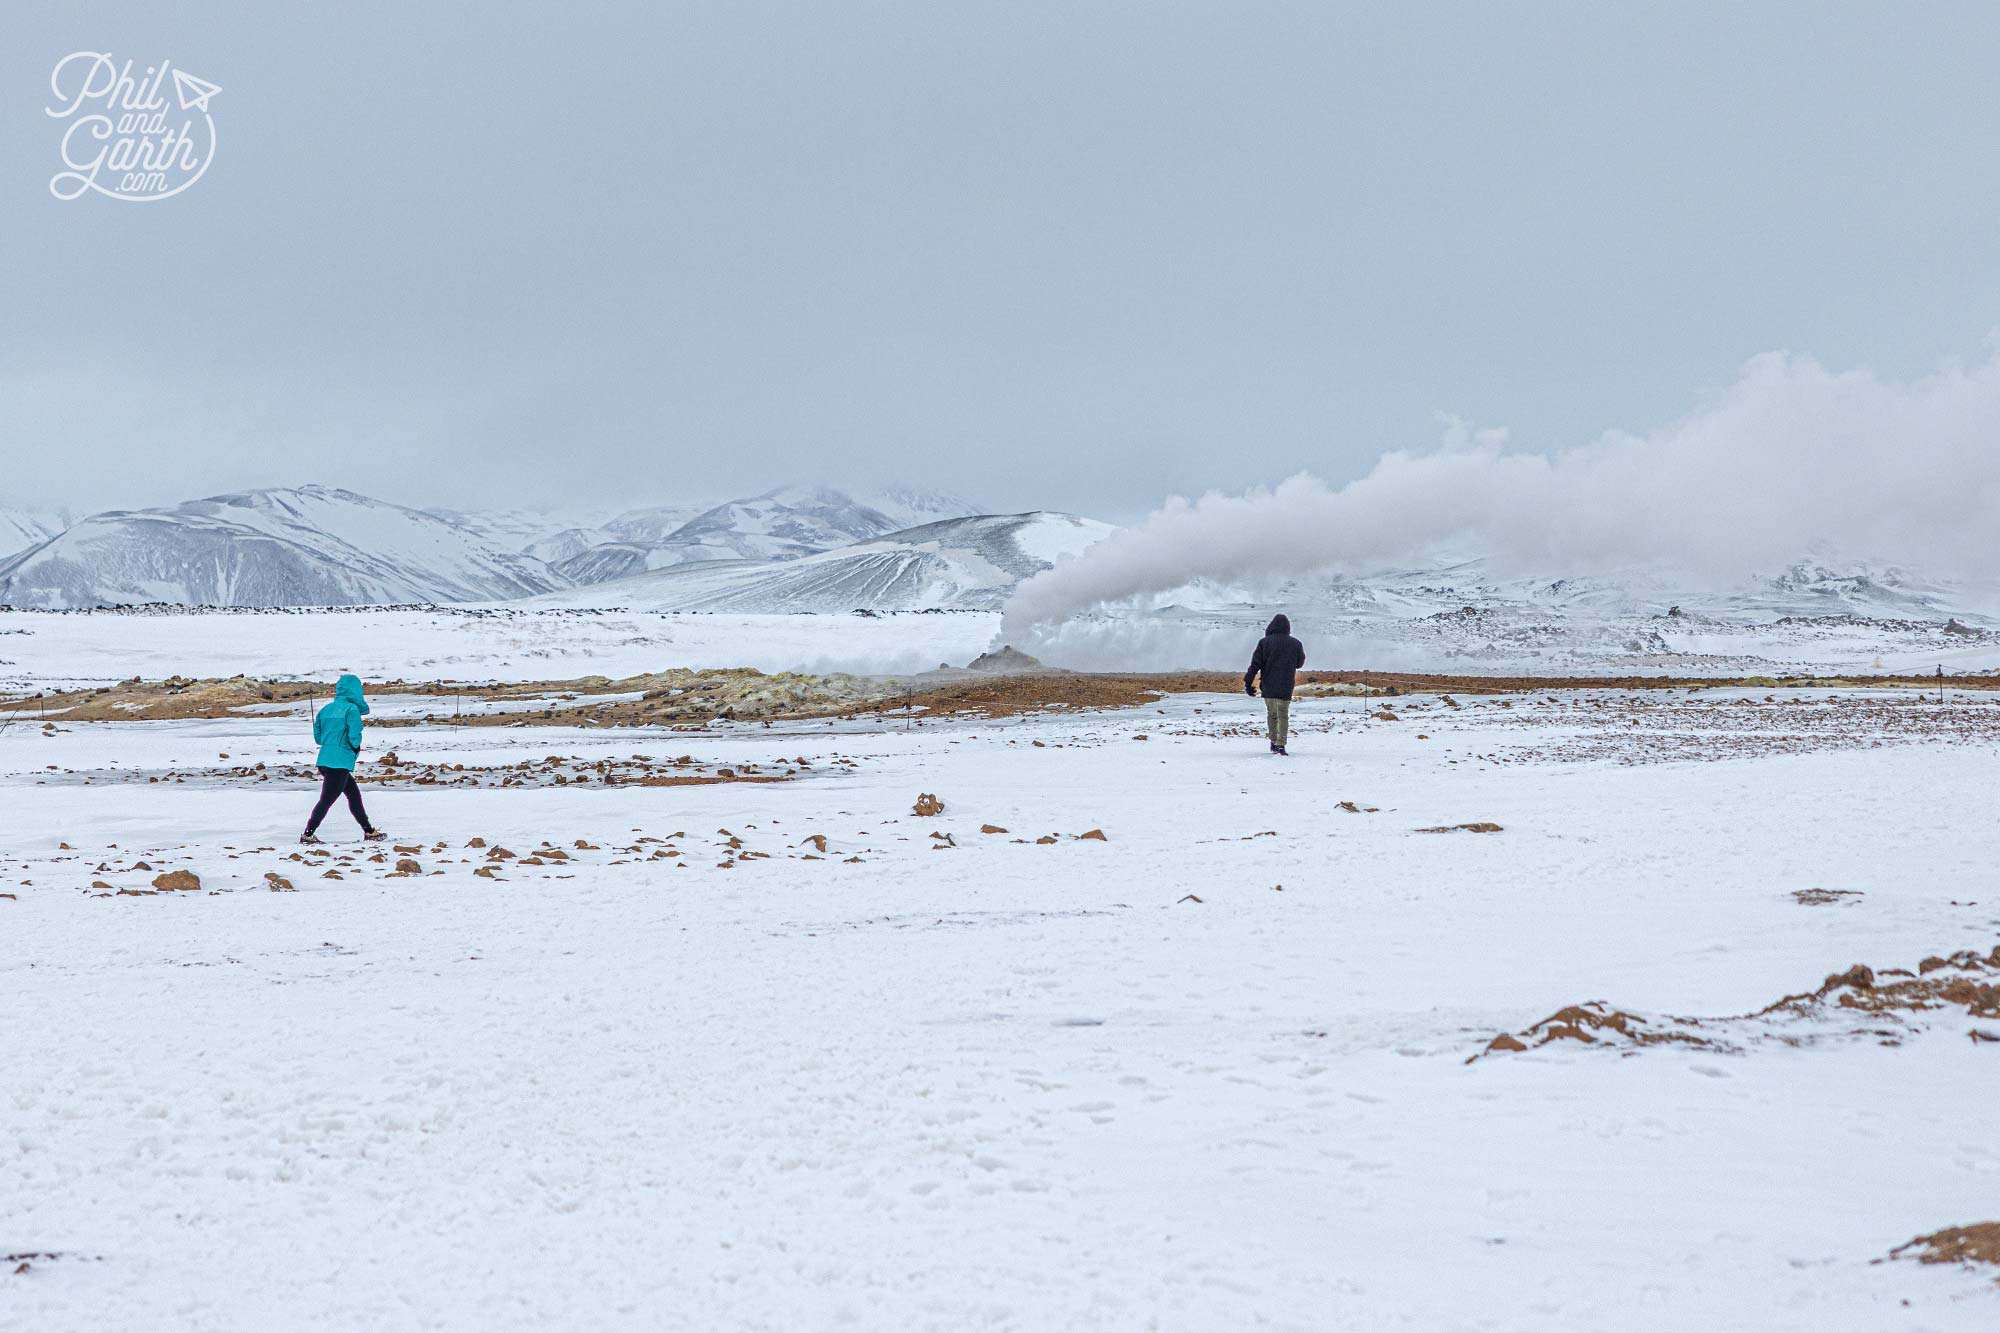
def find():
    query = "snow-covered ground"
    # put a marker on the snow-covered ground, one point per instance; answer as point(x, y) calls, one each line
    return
point(988, 1081)
point(45, 650)
point(41, 650)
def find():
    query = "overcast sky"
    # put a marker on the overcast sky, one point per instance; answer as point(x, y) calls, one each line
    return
point(1075, 255)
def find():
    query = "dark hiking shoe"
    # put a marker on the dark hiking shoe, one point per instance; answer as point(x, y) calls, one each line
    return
point(310, 840)
point(374, 835)
point(1278, 749)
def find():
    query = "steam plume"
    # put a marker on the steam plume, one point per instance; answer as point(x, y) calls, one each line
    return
point(1789, 456)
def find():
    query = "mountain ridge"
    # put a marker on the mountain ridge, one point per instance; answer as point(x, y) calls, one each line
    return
point(310, 545)
point(967, 563)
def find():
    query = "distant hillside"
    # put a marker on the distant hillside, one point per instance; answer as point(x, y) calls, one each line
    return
point(782, 524)
point(958, 563)
point(312, 546)
point(23, 528)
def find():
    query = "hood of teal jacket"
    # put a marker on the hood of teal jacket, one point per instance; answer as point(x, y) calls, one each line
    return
point(349, 689)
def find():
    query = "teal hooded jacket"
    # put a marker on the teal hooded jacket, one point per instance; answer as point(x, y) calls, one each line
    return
point(337, 727)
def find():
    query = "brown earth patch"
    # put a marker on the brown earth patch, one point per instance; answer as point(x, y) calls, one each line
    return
point(174, 698)
point(1592, 1024)
point(1821, 897)
point(1965, 980)
point(1976, 1244)
point(688, 698)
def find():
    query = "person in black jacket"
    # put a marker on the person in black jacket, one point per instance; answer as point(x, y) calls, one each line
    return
point(1278, 659)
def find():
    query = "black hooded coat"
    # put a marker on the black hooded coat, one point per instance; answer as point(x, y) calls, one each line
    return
point(1278, 657)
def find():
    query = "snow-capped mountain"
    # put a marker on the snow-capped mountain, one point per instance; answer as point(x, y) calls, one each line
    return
point(23, 528)
point(957, 563)
point(912, 506)
point(524, 529)
point(781, 524)
point(650, 526)
point(313, 546)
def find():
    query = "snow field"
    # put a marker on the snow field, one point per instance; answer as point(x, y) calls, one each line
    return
point(1001, 1084)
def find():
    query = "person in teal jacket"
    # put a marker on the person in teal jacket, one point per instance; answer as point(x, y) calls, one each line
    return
point(337, 728)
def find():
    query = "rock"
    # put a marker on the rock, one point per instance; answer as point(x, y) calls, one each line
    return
point(991, 828)
point(278, 883)
point(927, 805)
point(408, 867)
point(1008, 658)
point(177, 879)
point(1483, 826)
point(1094, 835)
point(476, 842)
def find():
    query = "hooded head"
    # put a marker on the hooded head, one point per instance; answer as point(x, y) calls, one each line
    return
point(1279, 625)
point(349, 688)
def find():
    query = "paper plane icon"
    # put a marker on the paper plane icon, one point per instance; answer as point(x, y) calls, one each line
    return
point(194, 93)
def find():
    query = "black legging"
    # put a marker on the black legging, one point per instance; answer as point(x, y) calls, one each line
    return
point(332, 782)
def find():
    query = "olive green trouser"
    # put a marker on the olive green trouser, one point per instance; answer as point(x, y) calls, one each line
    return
point(1278, 712)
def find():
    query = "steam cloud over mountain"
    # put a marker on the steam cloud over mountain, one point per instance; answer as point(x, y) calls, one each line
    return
point(1789, 456)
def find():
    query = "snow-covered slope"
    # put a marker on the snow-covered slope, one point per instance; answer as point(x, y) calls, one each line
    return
point(313, 546)
point(549, 535)
point(781, 524)
point(912, 506)
point(652, 525)
point(23, 528)
point(962, 563)
point(611, 560)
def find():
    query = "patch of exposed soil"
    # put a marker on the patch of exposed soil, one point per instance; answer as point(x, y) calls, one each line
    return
point(1859, 1002)
point(684, 697)
point(1594, 1024)
point(1976, 1244)
point(1821, 897)
point(549, 771)
point(174, 698)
